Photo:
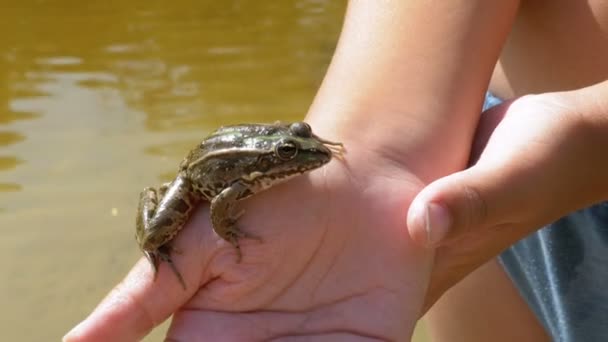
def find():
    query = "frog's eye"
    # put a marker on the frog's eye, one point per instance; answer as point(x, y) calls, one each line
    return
point(286, 150)
point(301, 129)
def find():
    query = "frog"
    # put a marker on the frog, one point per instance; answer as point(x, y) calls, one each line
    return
point(229, 165)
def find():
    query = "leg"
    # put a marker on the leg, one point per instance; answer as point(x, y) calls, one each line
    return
point(162, 190)
point(224, 217)
point(160, 218)
point(485, 306)
point(148, 201)
point(163, 253)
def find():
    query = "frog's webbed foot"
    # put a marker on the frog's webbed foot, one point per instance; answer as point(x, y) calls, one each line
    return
point(164, 254)
point(158, 221)
point(224, 218)
point(233, 233)
point(153, 261)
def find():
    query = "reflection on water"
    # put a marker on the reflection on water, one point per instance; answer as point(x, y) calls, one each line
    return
point(9, 162)
point(103, 98)
point(248, 61)
point(9, 138)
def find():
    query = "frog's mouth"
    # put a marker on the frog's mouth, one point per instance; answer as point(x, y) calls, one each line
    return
point(262, 181)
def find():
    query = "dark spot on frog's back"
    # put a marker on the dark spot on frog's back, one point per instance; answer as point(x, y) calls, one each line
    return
point(246, 194)
point(165, 221)
point(181, 206)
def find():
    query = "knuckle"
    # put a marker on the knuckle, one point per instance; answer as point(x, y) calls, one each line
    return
point(476, 209)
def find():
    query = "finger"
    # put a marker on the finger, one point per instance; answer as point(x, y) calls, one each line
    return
point(450, 207)
point(141, 302)
point(129, 311)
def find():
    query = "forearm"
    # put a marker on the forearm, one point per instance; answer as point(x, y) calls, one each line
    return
point(407, 72)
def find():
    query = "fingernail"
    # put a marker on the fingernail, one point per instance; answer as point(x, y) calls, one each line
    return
point(437, 221)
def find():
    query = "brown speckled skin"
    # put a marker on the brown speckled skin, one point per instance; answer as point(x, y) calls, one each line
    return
point(229, 165)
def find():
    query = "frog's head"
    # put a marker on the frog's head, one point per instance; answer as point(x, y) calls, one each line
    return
point(289, 150)
point(258, 154)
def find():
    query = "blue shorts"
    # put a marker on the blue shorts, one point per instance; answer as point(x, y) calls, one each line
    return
point(562, 272)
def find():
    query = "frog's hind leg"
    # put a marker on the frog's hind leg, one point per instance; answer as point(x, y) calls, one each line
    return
point(224, 217)
point(162, 190)
point(163, 253)
point(153, 231)
point(148, 201)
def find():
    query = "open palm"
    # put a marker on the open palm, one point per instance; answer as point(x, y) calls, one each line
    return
point(335, 262)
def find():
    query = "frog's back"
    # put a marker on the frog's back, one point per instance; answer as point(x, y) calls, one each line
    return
point(229, 154)
point(258, 155)
point(240, 136)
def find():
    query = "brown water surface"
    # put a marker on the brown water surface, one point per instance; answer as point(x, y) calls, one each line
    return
point(100, 99)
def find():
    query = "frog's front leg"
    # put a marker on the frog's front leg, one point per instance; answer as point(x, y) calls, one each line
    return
point(160, 219)
point(224, 216)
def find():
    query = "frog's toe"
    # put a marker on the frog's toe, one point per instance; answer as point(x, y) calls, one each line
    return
point(239, 253)
point(246, 235)
point(234, 234)
point(241, 234)
point(237, 215)
point(164, 254)
point(173, 249)
point(151, 256)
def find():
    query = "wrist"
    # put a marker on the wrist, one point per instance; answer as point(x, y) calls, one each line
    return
point(403, 90)
point(417, 141)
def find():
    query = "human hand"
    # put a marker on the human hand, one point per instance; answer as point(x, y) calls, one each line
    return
point(336, 263)
point(540, 157)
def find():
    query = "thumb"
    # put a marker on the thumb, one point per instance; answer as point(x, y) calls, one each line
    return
point(471, 199)
point(485, 195)
point(456, 204)
point(463, 203)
